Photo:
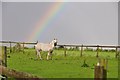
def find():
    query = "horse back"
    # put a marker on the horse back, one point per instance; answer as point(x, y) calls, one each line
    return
point(43, 47)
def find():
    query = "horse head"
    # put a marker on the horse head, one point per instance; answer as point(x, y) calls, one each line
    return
point(54, 42)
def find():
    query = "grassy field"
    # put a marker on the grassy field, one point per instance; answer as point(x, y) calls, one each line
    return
point(61, 66)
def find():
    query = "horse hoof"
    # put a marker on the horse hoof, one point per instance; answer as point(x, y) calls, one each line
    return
point(41, 59)
point(35, 59)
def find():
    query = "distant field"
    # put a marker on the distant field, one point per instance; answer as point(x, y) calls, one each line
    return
point(61, 66)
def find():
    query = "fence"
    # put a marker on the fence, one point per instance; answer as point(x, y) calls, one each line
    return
point(97, 46)
point(3, 59)
point(10, 44)
point(5, 72)
point(3, 56)
point(18, 75)
point(68, 45)
point(100, 71)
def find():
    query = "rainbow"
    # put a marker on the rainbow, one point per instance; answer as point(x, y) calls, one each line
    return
point(44, 22)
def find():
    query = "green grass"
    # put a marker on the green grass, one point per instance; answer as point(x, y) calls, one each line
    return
point(61, 66)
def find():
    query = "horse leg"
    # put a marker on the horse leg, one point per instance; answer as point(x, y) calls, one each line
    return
point(49, 55)
point(39, 54)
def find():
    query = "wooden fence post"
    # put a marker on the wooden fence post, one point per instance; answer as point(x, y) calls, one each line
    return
point(97, 50)
point(64, 50)
point(5, 55)
point(116, 52)
point(4, 62)
point(104, 62)
point(23, 47)
point(10, 47)
point(100, 72)
point(81, 50)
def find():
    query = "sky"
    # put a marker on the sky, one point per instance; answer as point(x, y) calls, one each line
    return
point(0, 20)
point(119, 24)
point(60, 0)
point(74, 23)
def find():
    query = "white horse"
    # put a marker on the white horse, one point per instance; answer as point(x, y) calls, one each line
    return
point(45, 47)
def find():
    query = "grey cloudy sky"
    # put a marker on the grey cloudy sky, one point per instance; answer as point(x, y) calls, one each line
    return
point(77, 23)
point(0, 20)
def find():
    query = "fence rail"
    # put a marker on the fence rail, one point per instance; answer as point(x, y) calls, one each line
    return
point(17, 42)
point(71, 45)
point(17, 74)
point(105, 46)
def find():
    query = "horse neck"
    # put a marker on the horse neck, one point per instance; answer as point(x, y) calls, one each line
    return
point(52, 44)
